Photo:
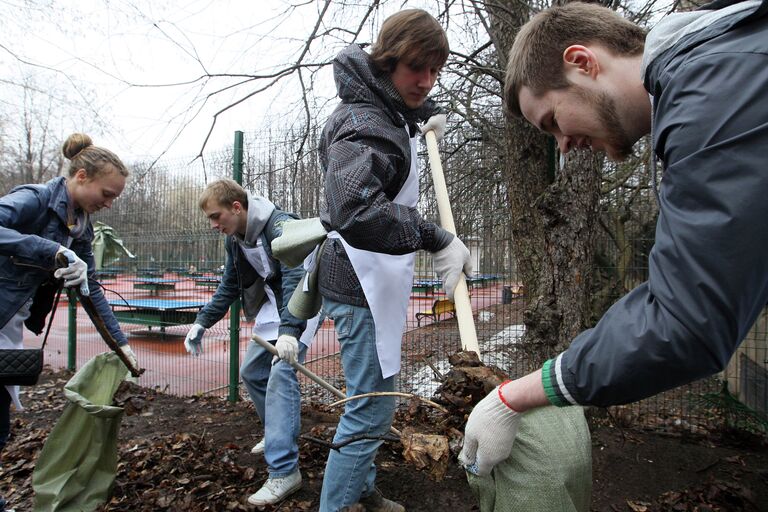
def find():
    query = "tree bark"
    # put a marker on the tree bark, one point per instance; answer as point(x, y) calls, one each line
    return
point(553, 216)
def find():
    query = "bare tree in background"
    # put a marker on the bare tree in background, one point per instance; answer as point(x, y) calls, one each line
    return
point(551, 213)
point(32, 154)
point(550, 220)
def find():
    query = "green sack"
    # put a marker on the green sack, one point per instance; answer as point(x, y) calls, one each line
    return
point(78, 463)
point(299, 239)
point(549, 469)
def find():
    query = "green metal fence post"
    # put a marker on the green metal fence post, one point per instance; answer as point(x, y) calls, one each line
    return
point(72, 331)
point(234, 310)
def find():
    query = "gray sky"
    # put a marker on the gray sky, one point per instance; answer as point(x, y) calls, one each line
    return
point(114, 60)
point(128, 72)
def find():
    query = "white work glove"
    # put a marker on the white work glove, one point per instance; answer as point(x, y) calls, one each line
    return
point(75, 273)
point(436, 123)
point(194, 340)
point(449, 263)
point(287, 349)
point(129, 353)
point(489, 434)
point(126, 349)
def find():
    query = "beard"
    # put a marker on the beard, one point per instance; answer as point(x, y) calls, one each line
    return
point(618, 142)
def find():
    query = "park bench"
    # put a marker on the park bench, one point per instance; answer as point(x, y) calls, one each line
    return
point(440, 307)
point(209, 281)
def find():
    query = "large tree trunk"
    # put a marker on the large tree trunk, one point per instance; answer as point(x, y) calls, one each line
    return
point(553, 215)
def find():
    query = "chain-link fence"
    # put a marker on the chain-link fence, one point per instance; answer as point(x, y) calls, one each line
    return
point(179, 259)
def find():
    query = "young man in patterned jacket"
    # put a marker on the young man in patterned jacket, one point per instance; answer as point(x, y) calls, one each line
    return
point(368, 153)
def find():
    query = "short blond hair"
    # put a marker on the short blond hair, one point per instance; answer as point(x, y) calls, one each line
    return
point(536, 57)
point(225, 192)
point(413, 36)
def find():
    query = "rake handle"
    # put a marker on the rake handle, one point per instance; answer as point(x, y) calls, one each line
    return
point(309, 374)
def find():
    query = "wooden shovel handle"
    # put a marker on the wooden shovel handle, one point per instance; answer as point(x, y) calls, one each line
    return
point(309, 374)
point(298, 367)
point(464, 316)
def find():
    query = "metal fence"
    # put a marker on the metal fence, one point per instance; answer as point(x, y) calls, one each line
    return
point(178, 259)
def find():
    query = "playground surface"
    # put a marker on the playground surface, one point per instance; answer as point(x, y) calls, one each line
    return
point(156, 322)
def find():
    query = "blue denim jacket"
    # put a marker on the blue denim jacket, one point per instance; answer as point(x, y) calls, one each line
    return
point(33, 224)
point(241, 278)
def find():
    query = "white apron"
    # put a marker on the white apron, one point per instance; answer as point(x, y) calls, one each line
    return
point(267, 323)
point(387, 280)
point(267, 320)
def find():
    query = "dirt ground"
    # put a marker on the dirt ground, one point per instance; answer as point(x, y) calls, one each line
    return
point(193, 454)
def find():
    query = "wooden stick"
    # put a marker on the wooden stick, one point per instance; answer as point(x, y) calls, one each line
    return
point(464, 316)
point(391, 393)
point(102, 329)
point(98, 322)
point(309, 374)
point(312, 376)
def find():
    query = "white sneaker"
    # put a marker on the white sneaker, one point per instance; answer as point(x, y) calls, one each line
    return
point(259, 448)
point(276, 489)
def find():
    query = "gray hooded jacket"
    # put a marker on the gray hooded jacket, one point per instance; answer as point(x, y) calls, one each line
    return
point(707, 72)
point(241, 279)
point(366, 157)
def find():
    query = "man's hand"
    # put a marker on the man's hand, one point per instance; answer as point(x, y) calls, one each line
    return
point(75, 273)
point(450, 262)
point(436, 123)
point(489, 434)
point(287, 348)
point(194, 340)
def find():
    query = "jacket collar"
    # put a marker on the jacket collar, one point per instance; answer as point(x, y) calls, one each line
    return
point(59, 200)
point(678, 32)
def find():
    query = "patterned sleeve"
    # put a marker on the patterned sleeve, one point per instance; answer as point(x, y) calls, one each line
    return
point(367, 161)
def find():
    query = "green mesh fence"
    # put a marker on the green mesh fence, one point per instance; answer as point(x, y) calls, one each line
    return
point(178, 259)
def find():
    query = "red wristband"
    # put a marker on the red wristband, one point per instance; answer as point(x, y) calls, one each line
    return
point(501, 396)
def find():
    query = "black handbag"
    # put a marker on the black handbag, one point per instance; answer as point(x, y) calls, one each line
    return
point(22, 367)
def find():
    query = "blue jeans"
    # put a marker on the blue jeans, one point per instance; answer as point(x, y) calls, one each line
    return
point(275, 392)
point(350, 472)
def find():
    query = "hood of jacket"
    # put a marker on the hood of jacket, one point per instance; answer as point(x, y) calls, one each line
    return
point(259, 210)
point(684, 30)
point(359, 81)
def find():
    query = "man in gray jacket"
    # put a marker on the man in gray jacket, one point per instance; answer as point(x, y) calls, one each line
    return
point(697, 83)
point(250, 223)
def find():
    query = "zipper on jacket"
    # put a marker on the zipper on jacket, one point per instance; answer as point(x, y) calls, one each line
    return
point(31, 265)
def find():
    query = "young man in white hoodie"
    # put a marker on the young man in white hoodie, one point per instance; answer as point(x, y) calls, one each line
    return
point(250, 223)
